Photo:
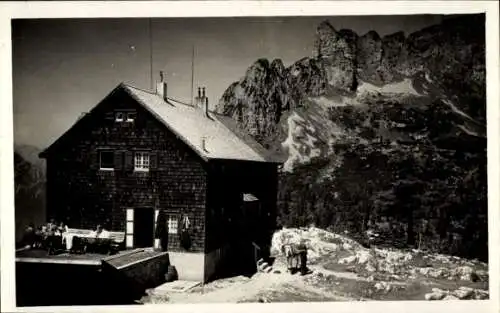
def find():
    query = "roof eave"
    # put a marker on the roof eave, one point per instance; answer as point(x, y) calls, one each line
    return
point(46, 151)
point(248, 160)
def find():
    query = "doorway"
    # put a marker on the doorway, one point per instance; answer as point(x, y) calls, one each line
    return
point(144, 225)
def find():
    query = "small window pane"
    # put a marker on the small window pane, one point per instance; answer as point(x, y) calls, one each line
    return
point(106, 159)
point(130, 227)
point(119, 117)
point(130, 241)
point(130, 215)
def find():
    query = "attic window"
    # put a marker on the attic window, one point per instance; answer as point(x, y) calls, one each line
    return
point(106, 160)
point(119, 117)
point(130, 117)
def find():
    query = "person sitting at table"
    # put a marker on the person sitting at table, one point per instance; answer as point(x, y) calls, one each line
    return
point(98, 239)
point(29, 236)
point(53, 240)
point(61, 229)
point(43, 234)
point(100, 233)
point(51, 226)
point(39, 237)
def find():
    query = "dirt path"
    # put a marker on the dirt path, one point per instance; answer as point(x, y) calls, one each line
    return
point(237, 291)
point(280, 286)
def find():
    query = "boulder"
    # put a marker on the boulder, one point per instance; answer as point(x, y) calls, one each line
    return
point(348, 260)
point(481, 294)
point(382, 285)
point(463, 293)
point(450, 297)
point(436, 294)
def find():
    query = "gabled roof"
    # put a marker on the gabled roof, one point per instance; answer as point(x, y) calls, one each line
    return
point(207, 134)
point(248, 197)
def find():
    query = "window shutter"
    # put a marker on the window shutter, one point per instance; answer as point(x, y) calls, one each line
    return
point(153, 160)
point(129, 160)
point(118, 160)
point(94, 159)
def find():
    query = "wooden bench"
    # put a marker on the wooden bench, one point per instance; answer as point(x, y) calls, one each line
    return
point(117, 236)
point(117, 239)
point(78, 231)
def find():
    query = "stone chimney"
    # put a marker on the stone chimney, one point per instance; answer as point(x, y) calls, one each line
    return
point(161, 87)
point(197, 102)
point(204, 103)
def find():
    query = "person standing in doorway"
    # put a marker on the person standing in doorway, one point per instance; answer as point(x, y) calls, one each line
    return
point(162, 230)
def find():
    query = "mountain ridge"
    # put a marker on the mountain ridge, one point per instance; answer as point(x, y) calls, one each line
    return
point(344, 61)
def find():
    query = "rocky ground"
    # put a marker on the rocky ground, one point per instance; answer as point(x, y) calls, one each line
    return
point(344, 270)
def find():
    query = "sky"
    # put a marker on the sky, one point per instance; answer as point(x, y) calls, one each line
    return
point(63, 67)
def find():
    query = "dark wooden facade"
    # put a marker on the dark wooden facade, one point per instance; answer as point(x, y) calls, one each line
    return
point(179, 181)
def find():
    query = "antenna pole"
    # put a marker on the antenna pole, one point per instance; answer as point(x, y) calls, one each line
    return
point(192, 76)
point(151, 53)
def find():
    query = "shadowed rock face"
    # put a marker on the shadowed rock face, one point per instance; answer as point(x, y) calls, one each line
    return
point(450, 56)
point(336, 53)
point(369, 58)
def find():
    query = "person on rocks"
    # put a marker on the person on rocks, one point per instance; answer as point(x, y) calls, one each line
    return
point(302, 253)
point(290, 252)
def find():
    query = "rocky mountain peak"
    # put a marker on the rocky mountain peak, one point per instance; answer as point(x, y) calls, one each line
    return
point(278, 66)
point(257, 72)
point(441, 64)
point(372, 35)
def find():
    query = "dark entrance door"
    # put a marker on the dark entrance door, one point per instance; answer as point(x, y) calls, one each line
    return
point(144, 219)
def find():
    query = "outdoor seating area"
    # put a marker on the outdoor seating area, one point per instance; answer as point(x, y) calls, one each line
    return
point(59, 238)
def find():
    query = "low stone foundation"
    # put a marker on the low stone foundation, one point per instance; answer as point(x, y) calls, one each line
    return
point(190, 266)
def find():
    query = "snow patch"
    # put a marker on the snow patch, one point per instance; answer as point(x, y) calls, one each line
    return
point(239, 92)
point(402, 87)
point(295, 72)
point(326, 103)
point(468, 131)
point(456, 110)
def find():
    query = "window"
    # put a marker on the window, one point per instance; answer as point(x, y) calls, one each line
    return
point(130, 117)
point(129, 241)
point(141, 161)
point(172, 225)
point(106, 160)
point(119, 117)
